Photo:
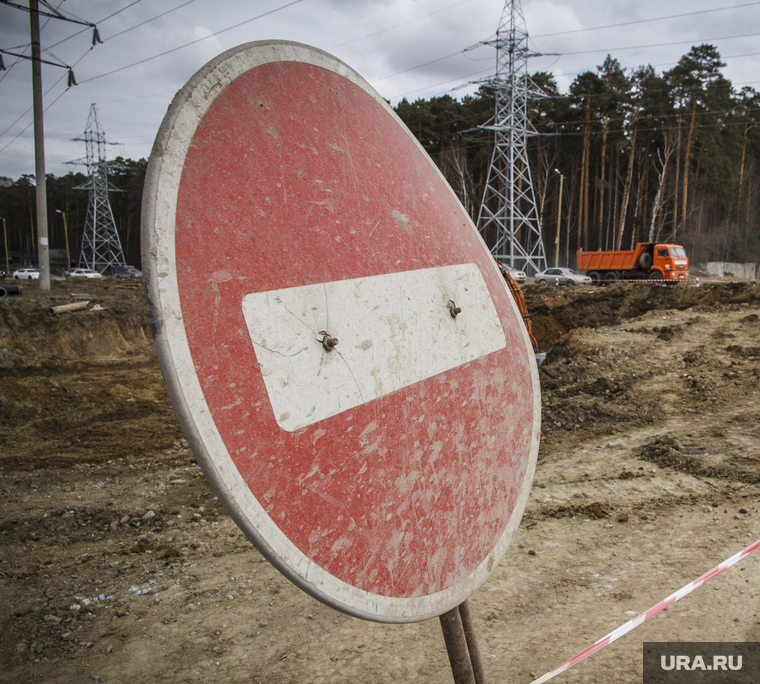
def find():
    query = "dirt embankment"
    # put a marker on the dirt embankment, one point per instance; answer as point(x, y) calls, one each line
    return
point(118, 564)
point(82, 386)
point(561, 309)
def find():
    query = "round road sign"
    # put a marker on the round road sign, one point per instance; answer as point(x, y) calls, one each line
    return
point(339, 346)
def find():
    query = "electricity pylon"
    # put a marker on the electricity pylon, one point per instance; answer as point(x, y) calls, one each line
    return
point(509, 205)
point(101, 246)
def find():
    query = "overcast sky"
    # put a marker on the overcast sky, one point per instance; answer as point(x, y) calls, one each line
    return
point(404, 48)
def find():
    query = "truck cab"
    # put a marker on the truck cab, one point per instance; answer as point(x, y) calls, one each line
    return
point(670, 261)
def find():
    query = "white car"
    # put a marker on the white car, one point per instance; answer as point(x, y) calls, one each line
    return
point(82, 273)
point(562, 276)
point(516, 273)
point(26, 274)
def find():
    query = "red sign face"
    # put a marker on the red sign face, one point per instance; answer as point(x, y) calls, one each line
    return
point(286, 208)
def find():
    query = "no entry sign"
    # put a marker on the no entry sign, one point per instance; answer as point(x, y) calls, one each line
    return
point(339, 346)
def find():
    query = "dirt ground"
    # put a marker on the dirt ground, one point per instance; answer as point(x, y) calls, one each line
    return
point(119, 565)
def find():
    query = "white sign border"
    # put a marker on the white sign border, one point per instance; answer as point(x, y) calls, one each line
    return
point(158, 234)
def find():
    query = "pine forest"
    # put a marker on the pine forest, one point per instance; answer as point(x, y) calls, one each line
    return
point(643, 156)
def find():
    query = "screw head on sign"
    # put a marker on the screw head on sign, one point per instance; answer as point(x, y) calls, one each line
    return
point(328, 341)
point(454, 309)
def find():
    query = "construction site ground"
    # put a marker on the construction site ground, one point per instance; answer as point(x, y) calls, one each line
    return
point(118, 564)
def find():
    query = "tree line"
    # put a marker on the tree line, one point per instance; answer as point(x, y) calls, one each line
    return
point(67, 214)
point(644, 156)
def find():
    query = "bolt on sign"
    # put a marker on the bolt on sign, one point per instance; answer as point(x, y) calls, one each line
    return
point(339, 346)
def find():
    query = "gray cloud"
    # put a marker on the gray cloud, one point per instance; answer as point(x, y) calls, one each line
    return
point(404, 48)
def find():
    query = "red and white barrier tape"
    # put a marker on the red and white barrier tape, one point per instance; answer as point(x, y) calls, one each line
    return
point(643, 617)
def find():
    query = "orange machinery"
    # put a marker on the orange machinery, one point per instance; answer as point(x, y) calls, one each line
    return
point(649, 261)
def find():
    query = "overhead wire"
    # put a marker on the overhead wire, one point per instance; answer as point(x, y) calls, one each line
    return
point(608, 50)
point(430, 130)
point(646, 21)
point(657, 45)
point(147, 21)
point(101, 21)
point(294, 2)
point(12, 140)
point(192, 42)
point(50, 90)
point(395, 26)
point(419, 66)
point(26, 47)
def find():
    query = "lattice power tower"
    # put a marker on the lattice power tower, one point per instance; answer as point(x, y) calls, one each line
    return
point(101, 246)
point(509, 205)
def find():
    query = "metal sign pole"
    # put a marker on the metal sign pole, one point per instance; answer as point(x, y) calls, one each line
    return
point(472, 643)
point(462, 645)
point(456, 647)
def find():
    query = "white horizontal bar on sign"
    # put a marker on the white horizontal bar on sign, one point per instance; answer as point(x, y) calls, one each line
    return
point(393, 331)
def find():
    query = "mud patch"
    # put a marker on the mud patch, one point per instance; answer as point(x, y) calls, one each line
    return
point(667, 452)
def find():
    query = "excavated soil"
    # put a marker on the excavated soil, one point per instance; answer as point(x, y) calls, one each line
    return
point(118, 564)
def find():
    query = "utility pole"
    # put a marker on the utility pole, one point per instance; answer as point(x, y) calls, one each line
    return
point(66, 236)
point(559, 218)
point(43, 253)
point(5, 240)
point(43, 257)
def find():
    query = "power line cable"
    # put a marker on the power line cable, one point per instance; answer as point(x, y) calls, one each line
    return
point(84, 54)
point(21, 132)
point(158, 16)
point(646, 21)
point(657, 45)
point(26, 46)
point(403, 23)
point(88, 50)
point(101, 21)
point(192, 42)
point(113, 14)
point(419, 66)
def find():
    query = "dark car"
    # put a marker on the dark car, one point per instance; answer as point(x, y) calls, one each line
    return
point(125, 271)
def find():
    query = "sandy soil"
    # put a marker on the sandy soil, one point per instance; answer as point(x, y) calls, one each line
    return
point(118, 564)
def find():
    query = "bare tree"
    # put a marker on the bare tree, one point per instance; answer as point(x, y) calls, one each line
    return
point(663, 156)
point(454, 169)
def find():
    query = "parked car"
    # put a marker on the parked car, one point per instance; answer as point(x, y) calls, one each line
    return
point(562, 276)
point(82, 273)
point(26, 274)
point(516, 273)
point(126, 272)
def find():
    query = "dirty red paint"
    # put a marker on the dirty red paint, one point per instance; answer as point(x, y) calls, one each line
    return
point(296, 176)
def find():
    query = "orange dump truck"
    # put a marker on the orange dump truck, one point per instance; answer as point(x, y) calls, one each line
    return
point(649, 261)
